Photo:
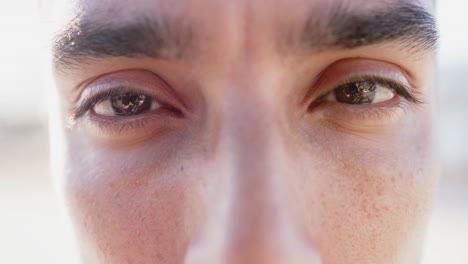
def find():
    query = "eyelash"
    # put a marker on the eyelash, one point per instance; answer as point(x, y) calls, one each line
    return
point(89, 102)
point(361, 114)
point(358, 112)
point(398, 87)
point(147, 123)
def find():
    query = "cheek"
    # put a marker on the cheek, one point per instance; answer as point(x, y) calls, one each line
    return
point(374, 213)
point(375, 194)
point(131, 202)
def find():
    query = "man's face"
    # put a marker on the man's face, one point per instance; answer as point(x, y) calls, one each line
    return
point(202, 131)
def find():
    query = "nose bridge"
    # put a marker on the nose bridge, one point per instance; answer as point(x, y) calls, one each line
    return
point(251, 137)
point(254, 224)
point(250, 134)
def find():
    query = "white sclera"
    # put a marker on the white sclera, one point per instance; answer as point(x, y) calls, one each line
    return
point(382, 94)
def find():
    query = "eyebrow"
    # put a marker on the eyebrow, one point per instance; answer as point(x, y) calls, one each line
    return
point(406, 24)
point(83, 39)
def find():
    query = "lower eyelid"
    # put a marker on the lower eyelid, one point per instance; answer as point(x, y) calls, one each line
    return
point(393, 101)
point(365, 115)
point(128, 129)
point(334, 109)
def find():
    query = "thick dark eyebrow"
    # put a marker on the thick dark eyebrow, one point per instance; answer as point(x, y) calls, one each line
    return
point(83, 39)
point(409, 25)
point(406, 24)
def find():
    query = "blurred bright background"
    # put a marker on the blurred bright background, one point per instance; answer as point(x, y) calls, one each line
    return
point(32, 228)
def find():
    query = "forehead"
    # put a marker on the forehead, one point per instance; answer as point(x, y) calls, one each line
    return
point(215, 10)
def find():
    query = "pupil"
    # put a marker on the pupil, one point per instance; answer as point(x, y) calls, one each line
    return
point(352, 90)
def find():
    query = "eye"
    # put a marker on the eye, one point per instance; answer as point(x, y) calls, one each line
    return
point(361, 92)
point(125, 104)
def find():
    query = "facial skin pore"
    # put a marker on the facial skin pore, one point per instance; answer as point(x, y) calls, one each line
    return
point(285, 131)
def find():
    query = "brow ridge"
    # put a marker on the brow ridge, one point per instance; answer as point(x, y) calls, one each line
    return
point(406, 24)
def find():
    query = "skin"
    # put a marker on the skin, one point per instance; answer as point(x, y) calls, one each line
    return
point(251, 172)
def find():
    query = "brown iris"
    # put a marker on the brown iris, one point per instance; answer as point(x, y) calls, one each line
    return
point(361, 92)
point(125, 104)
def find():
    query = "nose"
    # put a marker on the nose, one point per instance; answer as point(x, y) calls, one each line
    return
point(251, 217)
